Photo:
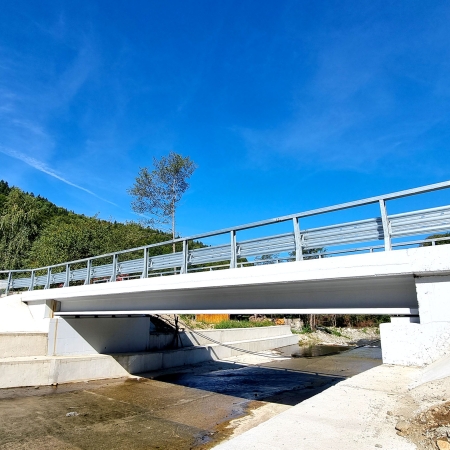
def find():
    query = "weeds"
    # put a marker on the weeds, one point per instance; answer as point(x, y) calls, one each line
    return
point(306, 329)
point(189, 320)
point(241, 324)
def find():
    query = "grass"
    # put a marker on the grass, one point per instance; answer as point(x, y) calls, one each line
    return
point(241, 324)
point(337, 333)
point(189, 320)
point(305, 330)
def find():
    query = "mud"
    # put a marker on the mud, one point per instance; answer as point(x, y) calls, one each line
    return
point(193, 408)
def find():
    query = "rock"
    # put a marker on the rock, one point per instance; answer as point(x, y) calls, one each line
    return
point(443, 445)
point(442, 431)
point(403, 426)
point(390, 413)
point(72, 414)
point(378, 446)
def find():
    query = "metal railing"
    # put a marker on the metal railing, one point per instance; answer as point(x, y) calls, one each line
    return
point(297, 245)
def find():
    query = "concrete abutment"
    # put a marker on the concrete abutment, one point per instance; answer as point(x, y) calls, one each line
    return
point(408, 342)
point(88, 348)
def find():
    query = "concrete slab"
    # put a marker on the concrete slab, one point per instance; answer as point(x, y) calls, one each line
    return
point(348, 416)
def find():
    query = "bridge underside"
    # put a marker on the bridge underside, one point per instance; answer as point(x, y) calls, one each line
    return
point(377, 295)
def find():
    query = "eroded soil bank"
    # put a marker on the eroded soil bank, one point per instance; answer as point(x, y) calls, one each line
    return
point(196, 407)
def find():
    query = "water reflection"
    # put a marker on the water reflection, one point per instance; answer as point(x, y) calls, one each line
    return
point(312, 351)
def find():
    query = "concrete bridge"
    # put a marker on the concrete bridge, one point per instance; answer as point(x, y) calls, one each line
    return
point(381, 264)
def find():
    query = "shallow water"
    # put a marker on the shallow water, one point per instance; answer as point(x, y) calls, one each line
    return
point(312, 351)
point(190, 408)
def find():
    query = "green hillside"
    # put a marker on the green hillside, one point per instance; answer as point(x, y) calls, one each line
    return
point(34, 232)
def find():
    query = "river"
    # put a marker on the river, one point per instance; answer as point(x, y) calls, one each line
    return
point(193, 407)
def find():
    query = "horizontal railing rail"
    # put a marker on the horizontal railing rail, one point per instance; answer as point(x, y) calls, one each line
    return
point(296, 245)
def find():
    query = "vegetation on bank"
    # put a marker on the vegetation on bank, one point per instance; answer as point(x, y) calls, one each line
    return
point(299, 324)
point(242, 324)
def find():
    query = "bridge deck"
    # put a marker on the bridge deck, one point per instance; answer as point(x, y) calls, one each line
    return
point(376, 283)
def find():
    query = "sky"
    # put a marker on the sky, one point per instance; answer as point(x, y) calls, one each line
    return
point(285, 106)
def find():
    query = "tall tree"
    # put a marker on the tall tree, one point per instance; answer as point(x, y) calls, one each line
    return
point(158, 192)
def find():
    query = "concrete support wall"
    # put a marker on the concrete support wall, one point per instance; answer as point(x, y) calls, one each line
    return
point(145, 362)
point(40, 371)
point(23, 344)
point(87, 336)
point(234, 335)
point(413, 344)
point(420, 344)
point(16, 316)
point(433, 294)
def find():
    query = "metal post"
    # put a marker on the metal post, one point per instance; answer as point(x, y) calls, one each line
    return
point(298, 240)
point(49, 274)
point(145, 268)
point(386, 231)
point(233, 257)
point(114, 268)
point(66, 283)
point(88, 272)
point(8, 282)
point(31, 281)
point(184, 264)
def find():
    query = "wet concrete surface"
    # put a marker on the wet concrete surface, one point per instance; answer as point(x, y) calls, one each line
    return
point(189, 409)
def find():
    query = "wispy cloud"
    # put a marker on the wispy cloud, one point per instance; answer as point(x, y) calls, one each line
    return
point(359, 108)
point(42, 167)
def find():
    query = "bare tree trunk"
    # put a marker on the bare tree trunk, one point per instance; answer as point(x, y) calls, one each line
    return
point(173, 217)
point(173, 230)
point(312, 322)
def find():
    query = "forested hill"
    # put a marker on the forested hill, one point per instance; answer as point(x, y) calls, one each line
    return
point(34, 232)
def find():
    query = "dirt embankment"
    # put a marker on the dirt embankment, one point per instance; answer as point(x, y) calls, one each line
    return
point(430, 429)
point(340, 336)
point(422, 415)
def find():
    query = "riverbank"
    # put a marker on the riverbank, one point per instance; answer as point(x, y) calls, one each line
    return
point(340, 336)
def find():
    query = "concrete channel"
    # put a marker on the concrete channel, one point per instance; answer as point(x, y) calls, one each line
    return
point(196, 406)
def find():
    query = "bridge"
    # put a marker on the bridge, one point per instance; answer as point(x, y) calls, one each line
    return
point(314, 251)
point(382, 263)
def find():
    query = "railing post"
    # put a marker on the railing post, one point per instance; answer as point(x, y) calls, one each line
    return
point(298, 240)
point(66, 283)
point(385, 221)
point(184, 264)
point(233, 258)
point(145, 268)
point(114, 268)
point(88, 272)
point(31, 281)
point(49, 274)
point(8, 282)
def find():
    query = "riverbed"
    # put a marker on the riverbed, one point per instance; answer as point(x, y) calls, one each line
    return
point(192, 407)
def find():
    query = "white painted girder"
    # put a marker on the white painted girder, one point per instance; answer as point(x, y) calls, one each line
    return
point(381, 282)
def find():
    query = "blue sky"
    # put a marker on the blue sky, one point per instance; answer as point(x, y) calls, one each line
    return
point(285, 106)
